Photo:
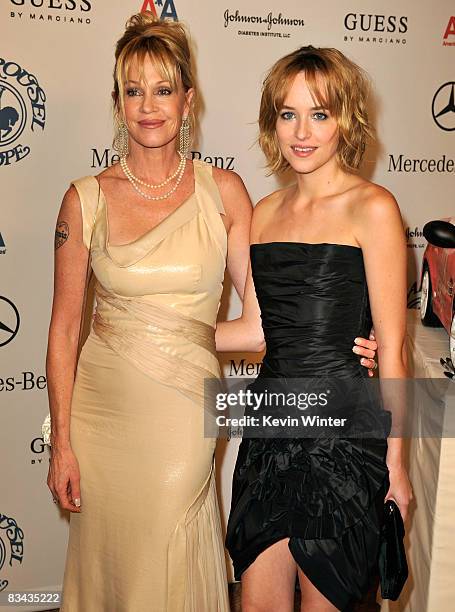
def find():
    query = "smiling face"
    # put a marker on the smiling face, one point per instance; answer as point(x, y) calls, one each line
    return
point(153, 108)
point(307, 133)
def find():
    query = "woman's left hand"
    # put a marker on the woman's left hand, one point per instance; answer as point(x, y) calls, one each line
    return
point(400, 489)
point(367, 350)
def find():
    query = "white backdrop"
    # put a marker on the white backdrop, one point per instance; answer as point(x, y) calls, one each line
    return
point(56, 61)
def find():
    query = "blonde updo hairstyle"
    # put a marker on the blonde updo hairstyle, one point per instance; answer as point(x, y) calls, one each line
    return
point(167, 45)
point(337, 84)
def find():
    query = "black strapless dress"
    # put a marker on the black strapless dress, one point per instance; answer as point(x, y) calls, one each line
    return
point(325, 494)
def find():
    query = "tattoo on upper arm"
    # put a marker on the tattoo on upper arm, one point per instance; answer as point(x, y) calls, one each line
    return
point(62, 231)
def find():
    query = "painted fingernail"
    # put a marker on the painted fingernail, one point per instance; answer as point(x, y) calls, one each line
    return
point(363, 361)
point(357, 340)
point(77, 502)
point(356, 349)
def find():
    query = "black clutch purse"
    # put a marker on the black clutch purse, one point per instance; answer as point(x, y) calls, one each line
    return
point(393, 567)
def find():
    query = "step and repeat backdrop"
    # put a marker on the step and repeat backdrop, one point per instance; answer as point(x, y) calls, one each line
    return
point(56, 61)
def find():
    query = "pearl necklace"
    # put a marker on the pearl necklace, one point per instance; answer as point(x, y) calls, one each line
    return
point(132, 179)
point(152, 185)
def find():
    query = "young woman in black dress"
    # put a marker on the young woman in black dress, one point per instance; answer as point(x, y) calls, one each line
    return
point(328, 258)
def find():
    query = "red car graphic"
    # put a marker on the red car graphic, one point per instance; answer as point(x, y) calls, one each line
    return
point(437, 305)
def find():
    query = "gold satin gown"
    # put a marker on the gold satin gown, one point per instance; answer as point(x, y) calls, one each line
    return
point(149, 538)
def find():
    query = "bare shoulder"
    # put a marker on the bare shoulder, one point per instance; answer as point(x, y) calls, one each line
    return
point(264, 212)
point(113, 171)
point(69, 220)
point(71, 205)
point(377, 216)
point(234, 194)
point(371, 196)
point(268, 204)
point(374, 203)
point(228, 181)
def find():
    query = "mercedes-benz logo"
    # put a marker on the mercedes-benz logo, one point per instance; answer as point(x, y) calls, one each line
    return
point(9, 320)
point(443, 107)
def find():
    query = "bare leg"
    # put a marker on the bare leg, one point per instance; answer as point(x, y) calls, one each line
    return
point(312, 599)
point(268, 585)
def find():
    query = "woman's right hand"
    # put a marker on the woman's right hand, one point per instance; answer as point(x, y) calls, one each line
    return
point(63, 478)
point(400, 489)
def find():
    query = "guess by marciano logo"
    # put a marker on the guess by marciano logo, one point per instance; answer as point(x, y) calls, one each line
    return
point(449, 34)
point(52, 11)
point(164, 9)
point(375, 29)
point(22, 111)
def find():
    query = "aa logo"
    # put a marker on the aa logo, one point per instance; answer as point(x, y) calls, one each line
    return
point(414, 295)
point(449, 34)
point(164, 9)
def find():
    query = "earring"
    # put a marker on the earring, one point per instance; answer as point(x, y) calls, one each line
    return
point(120, 143)
point(184, 144)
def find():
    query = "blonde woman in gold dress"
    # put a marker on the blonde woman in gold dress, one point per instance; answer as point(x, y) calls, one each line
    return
point(129, 457)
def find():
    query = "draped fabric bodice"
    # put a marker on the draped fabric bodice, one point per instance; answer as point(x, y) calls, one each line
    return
point(157, 297)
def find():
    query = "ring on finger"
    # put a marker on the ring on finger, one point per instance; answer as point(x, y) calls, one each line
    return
point(375, 365)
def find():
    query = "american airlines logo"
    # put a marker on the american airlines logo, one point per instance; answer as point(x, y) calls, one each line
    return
point(166, 8)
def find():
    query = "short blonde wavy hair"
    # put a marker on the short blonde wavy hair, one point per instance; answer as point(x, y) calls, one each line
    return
point(337, 84)
point(165, 42)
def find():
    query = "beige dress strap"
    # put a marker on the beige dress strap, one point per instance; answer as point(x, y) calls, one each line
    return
point(210, 203)
point(88, 190)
